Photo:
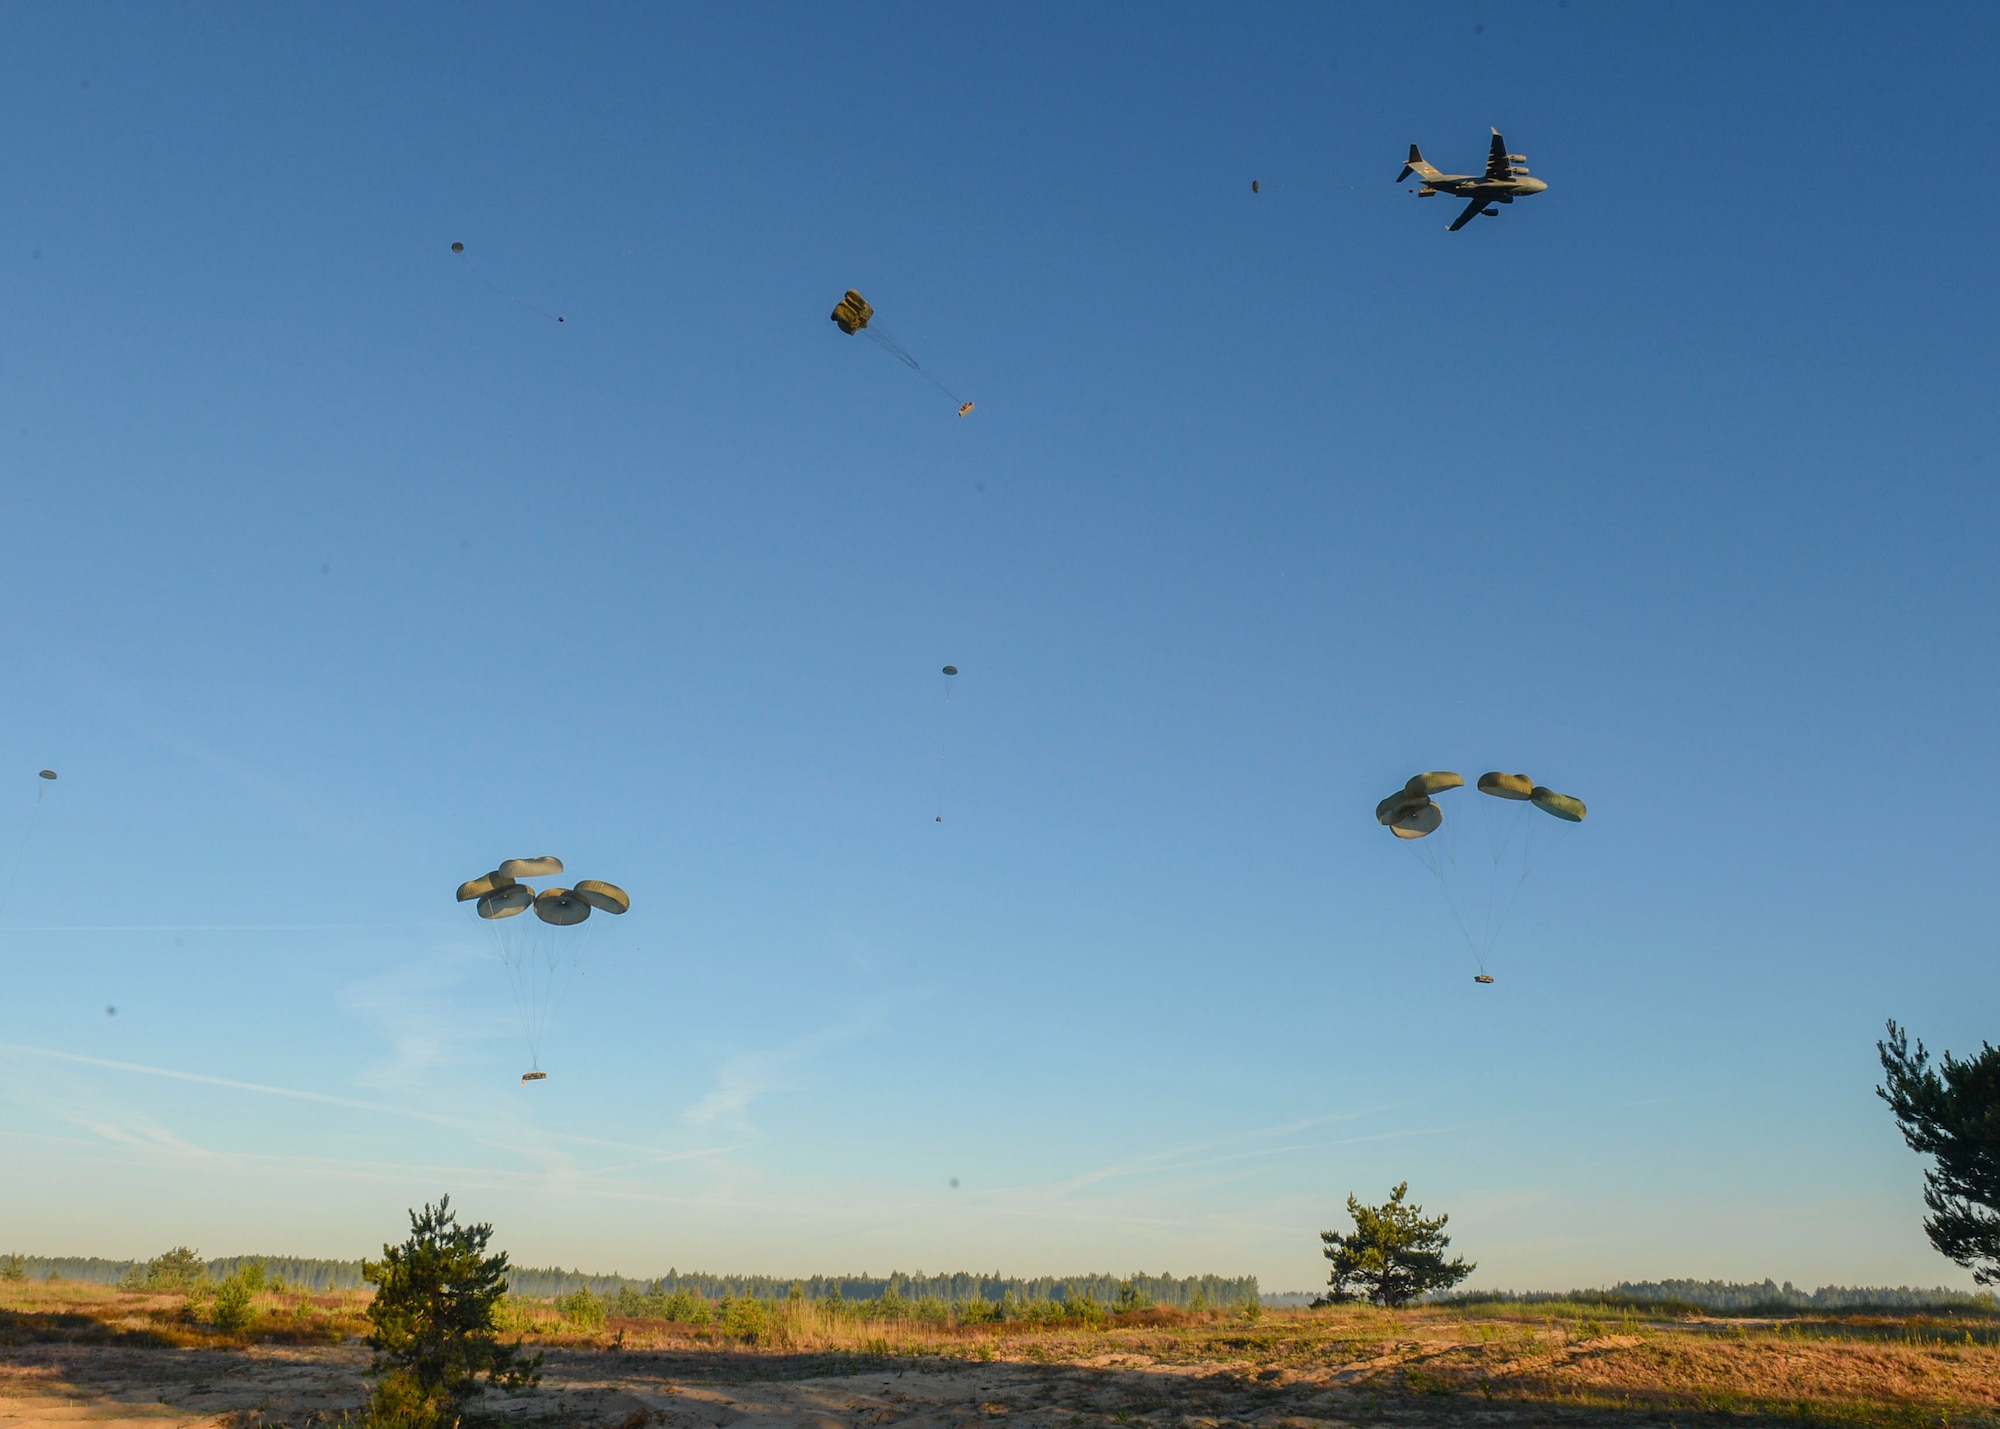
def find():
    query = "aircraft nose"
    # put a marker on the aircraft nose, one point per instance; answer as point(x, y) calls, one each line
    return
point(1534, 186)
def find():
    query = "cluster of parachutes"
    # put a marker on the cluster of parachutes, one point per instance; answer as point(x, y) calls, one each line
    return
point(501, 894)
point(536, 950)
point(1481, 881)
point(1409, 813)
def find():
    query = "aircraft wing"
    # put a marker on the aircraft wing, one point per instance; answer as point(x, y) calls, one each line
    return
point(1497, 164)
point(1471, 210)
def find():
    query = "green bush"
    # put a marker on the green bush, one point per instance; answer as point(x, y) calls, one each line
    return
point(400, 1402)
point(687, 1308)
point(179, 1269)
point(1130, 1298)
point(235, 1298)
point(13, 1267)
point(582, 1309)
point(1083, 1310)
point(746, 1318)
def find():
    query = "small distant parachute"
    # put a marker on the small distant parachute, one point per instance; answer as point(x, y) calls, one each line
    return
point(1253, 186)
point(853, 314)
point(537, 951)
point(31, 822)
point(1480, 884)
point(458, 247)
point(944, 737)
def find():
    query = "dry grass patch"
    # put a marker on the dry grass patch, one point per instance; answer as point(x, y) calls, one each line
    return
point(1169, 1370)
point(77, 1312)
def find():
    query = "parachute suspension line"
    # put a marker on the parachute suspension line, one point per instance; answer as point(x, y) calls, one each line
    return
point(570, 951)
point(519, 974)
point(532, 934)
point(1435, 860)
point(1500, 824)
point(1532, 844)
point(887, 342)
point(480, 273)
point(944, 738)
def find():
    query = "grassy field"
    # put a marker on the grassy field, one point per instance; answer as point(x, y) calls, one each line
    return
point(1557, 1362)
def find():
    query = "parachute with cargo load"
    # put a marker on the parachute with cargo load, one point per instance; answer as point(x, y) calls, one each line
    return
point(854, 314)
point(538, 952)
point(1479, 872)
point(30, 825)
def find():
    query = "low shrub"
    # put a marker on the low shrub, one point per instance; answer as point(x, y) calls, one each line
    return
point(581, 1309)
point(399, 1402)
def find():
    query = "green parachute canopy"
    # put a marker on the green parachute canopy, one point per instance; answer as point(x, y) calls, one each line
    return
point(1506, 786)
point(1435, 781)
point(852, 312)
point(1561, 805)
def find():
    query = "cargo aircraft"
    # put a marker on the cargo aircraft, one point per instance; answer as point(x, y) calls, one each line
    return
point(1506, 179)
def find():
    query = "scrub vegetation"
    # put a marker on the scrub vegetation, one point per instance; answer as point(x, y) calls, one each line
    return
point(1096, 1363)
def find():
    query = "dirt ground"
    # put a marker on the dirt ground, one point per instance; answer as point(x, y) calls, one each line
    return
point(1297, 1371)
point(163, 1388)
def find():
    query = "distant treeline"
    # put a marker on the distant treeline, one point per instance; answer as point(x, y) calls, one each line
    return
point(318, 1276)
point(1728, 1297)
point(958, 1289)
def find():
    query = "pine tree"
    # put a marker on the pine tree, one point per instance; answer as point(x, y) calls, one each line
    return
point(435, 1313)
point(1392, 1256)
point(1952, 1114)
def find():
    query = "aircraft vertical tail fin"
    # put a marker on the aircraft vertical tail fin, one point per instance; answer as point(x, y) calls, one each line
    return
point(1417, 165)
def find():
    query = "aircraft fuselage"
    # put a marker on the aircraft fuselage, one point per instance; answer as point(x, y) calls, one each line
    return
point(1470, 186)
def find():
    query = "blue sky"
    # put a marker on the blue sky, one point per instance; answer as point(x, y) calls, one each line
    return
point(334, 577)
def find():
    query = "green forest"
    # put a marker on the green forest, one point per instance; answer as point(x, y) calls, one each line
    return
point(1740, 1297)
point(965, 1287)
point(960, 1288)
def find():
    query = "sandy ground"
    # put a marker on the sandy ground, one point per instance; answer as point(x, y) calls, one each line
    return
point(156, 1388)
point(1235, 1378)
